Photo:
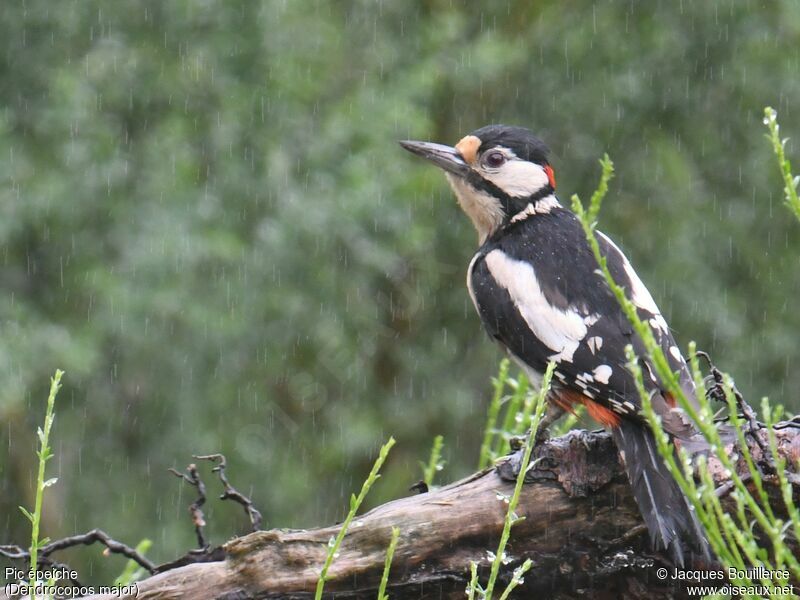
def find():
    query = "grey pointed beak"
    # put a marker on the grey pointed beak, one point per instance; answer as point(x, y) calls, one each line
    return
point(444, 157)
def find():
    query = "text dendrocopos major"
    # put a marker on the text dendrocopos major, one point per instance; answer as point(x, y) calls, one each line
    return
point(539, 292)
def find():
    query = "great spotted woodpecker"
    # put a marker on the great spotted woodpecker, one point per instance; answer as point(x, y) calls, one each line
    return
point(538, 290)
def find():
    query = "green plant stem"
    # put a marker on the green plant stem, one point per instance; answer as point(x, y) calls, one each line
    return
point(509, 426)
point(790, 182)
point(568, 422)
point(780, 463)
point(700, 414)
point(132, 571)
point(516, 579)
point(434, 464)
point(44, 455)
point(528, 401)
point(485, 457)
point(725, 536)
point(388, 563)
point(473, 580)
point(355, 503)
point(511, 517)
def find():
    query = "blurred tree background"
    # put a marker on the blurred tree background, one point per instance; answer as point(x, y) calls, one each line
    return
point(207, 222)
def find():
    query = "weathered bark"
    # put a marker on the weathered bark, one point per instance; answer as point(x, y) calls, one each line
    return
point(581, 528)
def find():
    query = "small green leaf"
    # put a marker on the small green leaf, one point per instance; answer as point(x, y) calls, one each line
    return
point(28, 515)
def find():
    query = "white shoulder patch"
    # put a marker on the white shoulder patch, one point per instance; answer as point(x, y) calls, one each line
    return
point(560, 330)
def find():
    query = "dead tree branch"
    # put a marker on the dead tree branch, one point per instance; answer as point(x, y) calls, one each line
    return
point(230, 492)
point(192, 477)
point(582, 529)
point(85, 539)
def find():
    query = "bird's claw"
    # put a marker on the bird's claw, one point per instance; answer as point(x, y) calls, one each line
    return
point(517, 442)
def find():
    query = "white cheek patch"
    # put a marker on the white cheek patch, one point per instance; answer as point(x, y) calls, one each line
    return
point(560, 330)
point(518, 178)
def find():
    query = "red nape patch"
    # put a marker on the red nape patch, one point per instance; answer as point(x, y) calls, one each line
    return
point(550, 175)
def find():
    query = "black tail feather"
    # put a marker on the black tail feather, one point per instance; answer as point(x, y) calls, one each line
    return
point(672, 523)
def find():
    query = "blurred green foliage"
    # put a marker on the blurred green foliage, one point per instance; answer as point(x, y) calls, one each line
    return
point(206, 221)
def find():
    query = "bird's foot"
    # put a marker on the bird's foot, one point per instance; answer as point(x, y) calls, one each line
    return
point(510, 466)
point(553, 413)
point(517, 442)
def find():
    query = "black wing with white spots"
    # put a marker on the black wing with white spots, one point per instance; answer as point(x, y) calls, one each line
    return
point(539, 293)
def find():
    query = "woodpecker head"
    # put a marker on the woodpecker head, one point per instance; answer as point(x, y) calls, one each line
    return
point(497, 172)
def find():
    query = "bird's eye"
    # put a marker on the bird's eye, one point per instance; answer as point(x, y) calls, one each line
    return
point(494, 159)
